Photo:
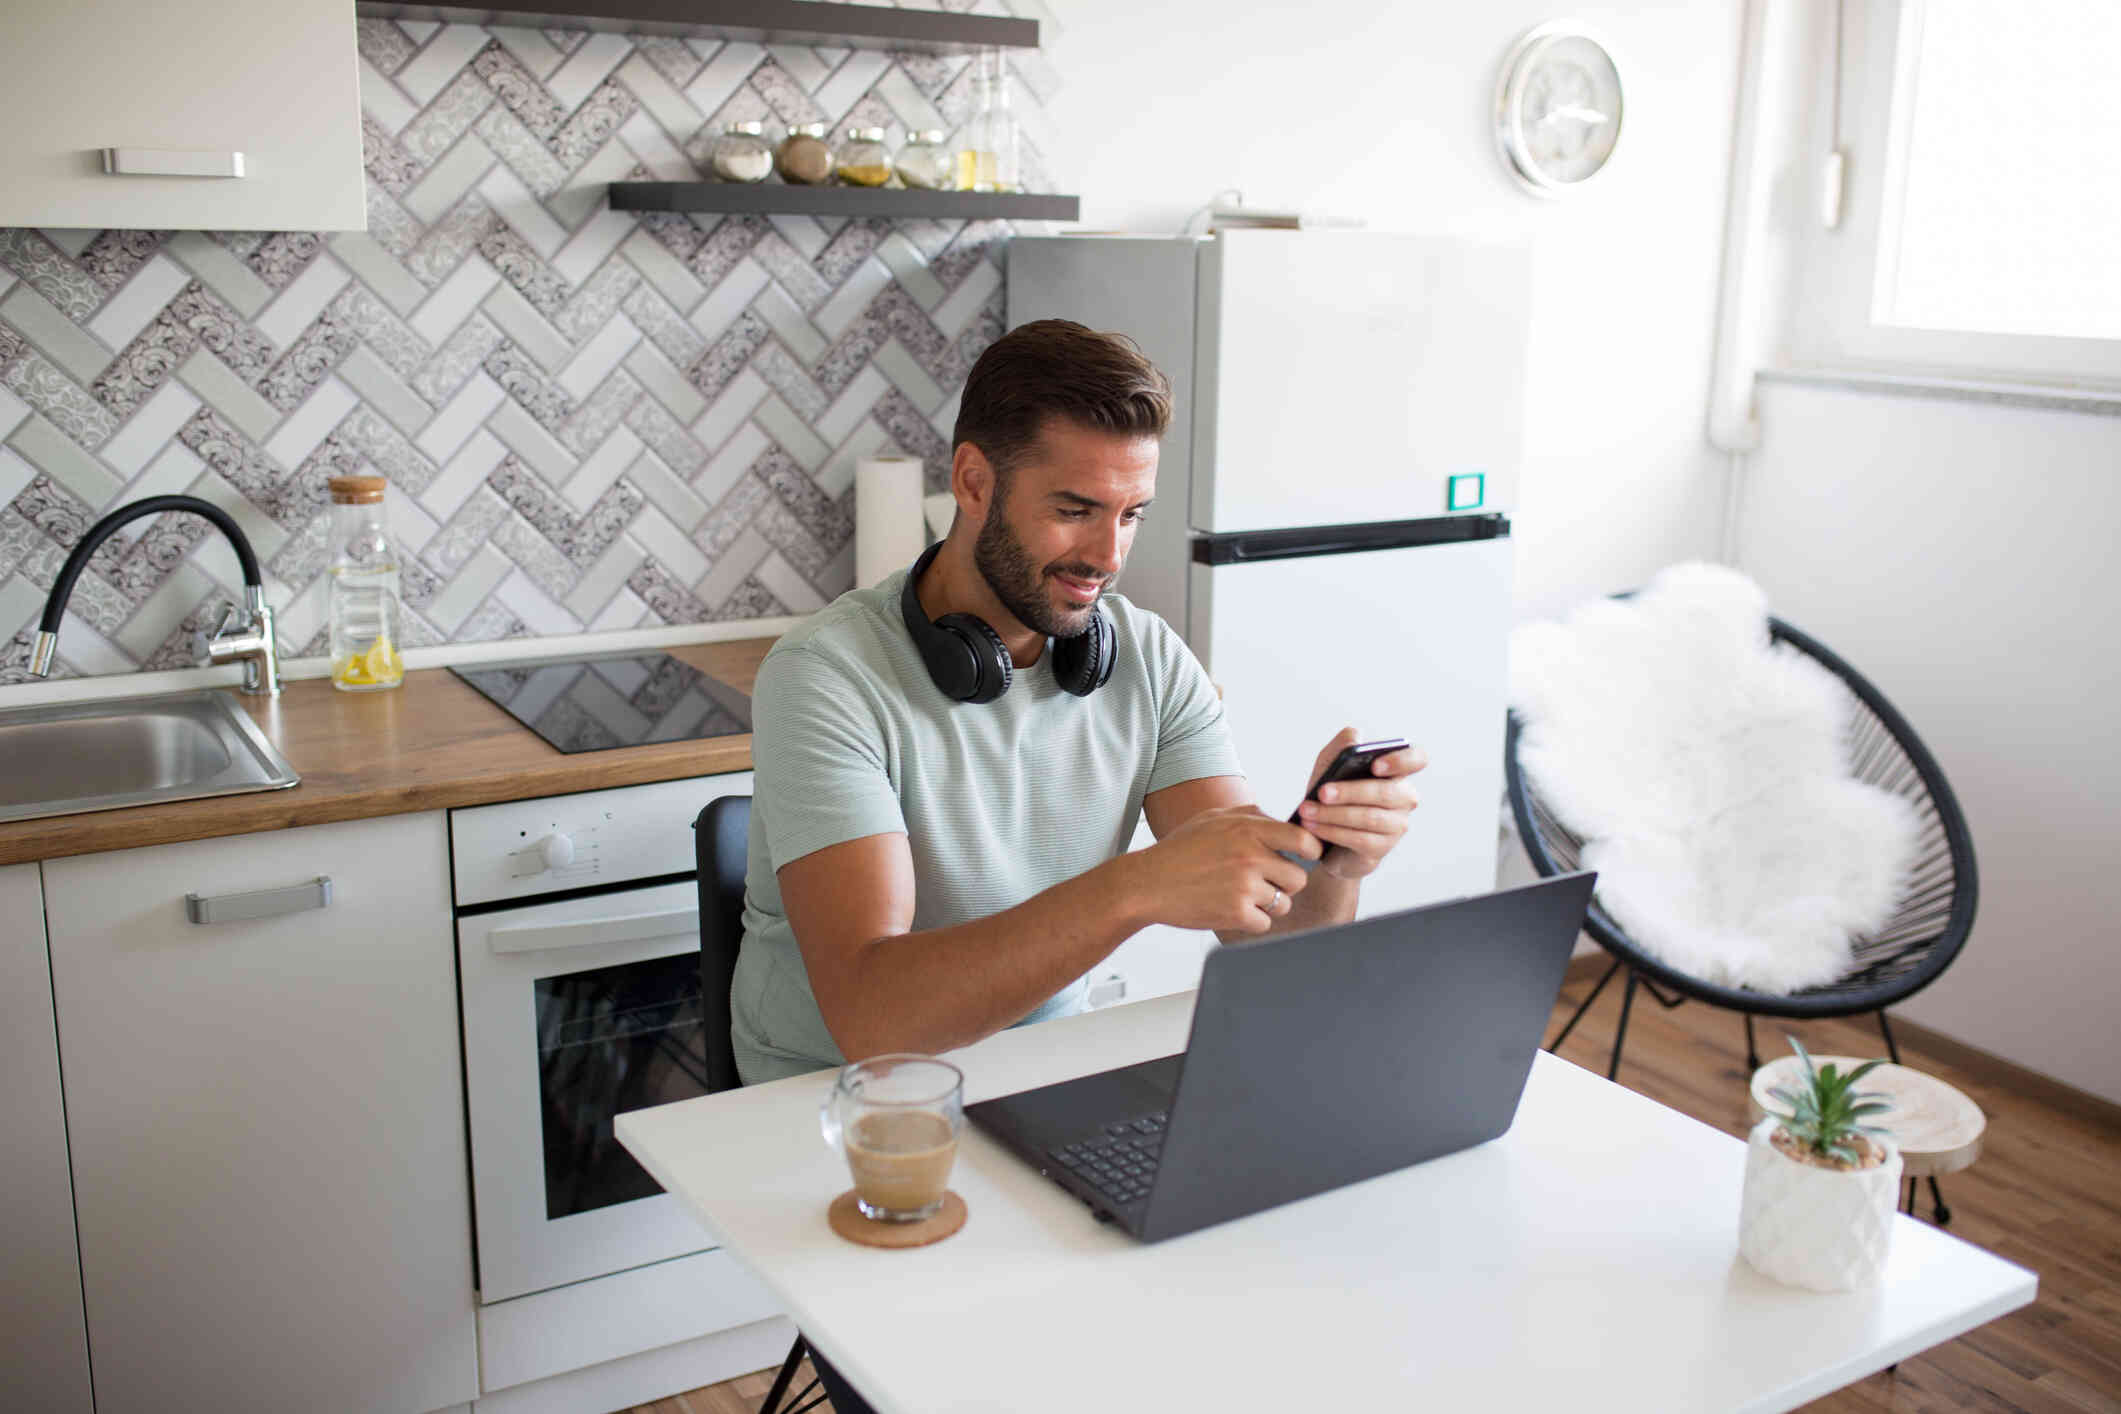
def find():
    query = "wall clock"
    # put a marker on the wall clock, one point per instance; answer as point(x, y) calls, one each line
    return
point(1557, 108)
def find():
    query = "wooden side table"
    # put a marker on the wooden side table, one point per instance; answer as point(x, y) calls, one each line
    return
point(1937, 1128)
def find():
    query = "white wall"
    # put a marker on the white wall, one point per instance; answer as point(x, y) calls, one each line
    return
point(1382, 110)
point(1961, 555)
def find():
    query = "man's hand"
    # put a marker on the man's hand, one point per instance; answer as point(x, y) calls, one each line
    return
point(1366, 818)
point(1220, 870)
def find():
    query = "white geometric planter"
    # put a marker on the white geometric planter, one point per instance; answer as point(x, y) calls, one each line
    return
point(1822, 1229)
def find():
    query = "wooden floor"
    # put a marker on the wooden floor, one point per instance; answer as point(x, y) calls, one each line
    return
point(2046, 1194)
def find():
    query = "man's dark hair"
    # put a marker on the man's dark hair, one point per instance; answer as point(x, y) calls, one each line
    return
point(1058, 368)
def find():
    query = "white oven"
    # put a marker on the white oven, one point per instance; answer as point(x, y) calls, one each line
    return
point(578, 949)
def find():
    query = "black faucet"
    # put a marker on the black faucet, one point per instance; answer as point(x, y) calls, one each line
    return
point(253, 646)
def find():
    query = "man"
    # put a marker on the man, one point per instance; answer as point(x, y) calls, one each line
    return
point(926, 870)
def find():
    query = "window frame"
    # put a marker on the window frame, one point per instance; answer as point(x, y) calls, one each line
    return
point(1843, 274)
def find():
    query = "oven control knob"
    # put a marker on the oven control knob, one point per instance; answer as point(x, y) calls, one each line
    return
point(557, 851)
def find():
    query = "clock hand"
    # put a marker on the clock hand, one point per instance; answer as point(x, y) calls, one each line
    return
point(1589, 117)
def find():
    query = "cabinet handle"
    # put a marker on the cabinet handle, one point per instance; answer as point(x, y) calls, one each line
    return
point(624, 928)
point(170, 162)
point(259, 903)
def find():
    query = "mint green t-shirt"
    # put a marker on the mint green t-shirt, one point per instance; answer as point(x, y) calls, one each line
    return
point(998, 801)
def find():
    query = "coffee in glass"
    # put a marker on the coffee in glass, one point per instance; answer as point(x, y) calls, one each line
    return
point(897, 1119)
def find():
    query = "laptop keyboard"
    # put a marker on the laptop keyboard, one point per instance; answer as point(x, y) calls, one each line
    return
point(1119, 1163)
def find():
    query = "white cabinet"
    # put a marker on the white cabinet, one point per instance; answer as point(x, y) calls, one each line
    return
point(275, 80)
point(43, 1348)
point(267, 1123)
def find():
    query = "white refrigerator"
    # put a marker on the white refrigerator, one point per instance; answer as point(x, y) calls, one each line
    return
point(1331, 528)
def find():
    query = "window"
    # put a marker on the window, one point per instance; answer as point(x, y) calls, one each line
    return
point(1982, 211)
point(2007, 143)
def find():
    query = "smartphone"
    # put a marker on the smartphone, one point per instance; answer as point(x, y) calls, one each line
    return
point(1353, 763)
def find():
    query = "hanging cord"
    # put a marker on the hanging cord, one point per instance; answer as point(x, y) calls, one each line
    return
point(1833, 172)
point(1837, 74)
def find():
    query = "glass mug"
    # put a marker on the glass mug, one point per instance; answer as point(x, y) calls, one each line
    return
point(897, 1119)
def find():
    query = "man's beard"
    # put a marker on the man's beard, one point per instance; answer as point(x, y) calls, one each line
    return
point(1020, 584)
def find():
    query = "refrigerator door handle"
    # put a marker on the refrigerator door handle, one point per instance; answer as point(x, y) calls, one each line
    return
point(1242, 551)
point(1254, 546)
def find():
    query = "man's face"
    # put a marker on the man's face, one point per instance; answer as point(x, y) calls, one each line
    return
point(1061, 524)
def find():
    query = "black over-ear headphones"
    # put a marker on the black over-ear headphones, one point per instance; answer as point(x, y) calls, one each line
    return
point(969, 662)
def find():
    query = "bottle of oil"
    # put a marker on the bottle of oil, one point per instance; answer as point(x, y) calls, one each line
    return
point(364, 588)
point(987, 144)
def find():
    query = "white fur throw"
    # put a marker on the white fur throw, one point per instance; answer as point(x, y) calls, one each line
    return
point(1707, 773)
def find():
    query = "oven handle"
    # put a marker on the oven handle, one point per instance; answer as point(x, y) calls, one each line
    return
point(620, 928)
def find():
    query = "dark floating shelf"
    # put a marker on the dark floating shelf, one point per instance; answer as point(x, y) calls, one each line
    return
point(814, 22)
point(769, 198)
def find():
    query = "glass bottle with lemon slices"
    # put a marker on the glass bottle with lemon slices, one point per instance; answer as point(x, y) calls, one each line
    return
point(364, 588)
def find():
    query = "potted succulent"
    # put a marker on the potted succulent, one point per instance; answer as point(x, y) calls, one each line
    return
point(1820, 1183)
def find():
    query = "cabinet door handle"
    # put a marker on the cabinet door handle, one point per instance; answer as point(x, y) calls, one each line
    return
point(625, 928)
point(259, 903)
point(170, 162)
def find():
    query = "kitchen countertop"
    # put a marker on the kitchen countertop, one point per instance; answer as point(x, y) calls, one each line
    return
point(428, 745)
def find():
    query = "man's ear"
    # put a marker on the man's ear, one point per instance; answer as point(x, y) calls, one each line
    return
point(972, 482)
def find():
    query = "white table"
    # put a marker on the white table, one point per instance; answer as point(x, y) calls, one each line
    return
point(1587, 1260)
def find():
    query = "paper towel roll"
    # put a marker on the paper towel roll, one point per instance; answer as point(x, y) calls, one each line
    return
point(887, 516)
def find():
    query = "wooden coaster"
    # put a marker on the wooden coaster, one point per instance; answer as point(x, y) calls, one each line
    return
point(848, 1222)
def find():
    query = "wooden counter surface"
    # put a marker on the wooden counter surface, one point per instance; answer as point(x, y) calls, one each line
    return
point(430, 744)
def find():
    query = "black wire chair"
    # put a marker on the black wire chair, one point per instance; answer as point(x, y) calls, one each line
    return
point(1909, 952)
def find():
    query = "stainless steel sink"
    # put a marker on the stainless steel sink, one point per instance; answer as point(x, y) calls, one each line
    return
point(73, 756)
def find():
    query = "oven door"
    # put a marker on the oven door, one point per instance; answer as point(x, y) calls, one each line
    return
point(575, 1012)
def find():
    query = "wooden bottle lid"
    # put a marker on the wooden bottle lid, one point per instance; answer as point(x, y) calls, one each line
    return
point(357, 490)
point(1937, 1128)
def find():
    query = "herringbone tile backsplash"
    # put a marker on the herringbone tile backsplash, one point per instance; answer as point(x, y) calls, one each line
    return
point(590, 420)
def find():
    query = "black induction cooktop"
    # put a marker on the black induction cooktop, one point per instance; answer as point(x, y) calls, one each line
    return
point(594, 704)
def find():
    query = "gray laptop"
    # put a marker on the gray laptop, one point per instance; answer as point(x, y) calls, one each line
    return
point(1316, 1060)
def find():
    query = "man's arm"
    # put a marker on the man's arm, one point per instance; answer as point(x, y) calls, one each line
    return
point(1364, 818)
point(882, 988)
point(1323, 898)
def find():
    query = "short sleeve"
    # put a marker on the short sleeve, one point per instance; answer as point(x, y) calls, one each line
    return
point(817, 752)
point(1192, 738)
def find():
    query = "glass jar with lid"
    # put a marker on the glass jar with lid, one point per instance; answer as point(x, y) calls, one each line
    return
point(926, 162)
point(363, 615)
point(863, 160)
point(741, 153)
point(804, 157)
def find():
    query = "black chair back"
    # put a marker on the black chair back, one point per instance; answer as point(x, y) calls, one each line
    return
point(721, 840)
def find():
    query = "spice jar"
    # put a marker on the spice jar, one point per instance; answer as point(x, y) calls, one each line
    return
point(925, 162)
point(741, 154)
point(362, 623)
point(804, 157)
point(864, 161)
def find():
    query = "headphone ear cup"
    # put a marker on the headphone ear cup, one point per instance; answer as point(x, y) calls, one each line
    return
point(1083, 664)
point(965, 657)
point(988, 668)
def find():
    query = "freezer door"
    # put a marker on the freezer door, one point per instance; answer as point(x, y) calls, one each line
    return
point(1408, 642)
point(1346, 376)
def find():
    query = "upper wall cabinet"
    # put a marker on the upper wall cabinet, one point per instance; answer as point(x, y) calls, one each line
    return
point(184, 86)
